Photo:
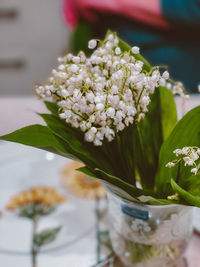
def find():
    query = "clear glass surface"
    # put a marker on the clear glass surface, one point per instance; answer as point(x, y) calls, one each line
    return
point(148, 235)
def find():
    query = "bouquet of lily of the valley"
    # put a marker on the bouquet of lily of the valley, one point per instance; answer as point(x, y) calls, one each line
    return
point(117, 114)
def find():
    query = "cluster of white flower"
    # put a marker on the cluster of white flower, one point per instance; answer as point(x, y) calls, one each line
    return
point(190, 157)
point(104, 93)
point(177, 88)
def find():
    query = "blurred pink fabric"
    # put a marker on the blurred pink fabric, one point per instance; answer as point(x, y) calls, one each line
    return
point(146, 11)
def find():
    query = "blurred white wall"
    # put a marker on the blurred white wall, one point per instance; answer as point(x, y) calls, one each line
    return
point(32, 36)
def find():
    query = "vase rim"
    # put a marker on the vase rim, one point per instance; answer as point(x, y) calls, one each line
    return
point(141, 203)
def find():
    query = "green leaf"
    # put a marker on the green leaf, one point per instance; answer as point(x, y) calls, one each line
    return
point(80, 37)
point(87, 171)
point(111, 180)
point(168, 111)
point(87, 153)
point(185, 133)
point(151, 131)
point(192, 184)
point(52, 107)
point(190, 199)
point(147, 142)
point(61, 130)
point(128, 188)
point(45, 237)
point(121, 151)
point(37, 136)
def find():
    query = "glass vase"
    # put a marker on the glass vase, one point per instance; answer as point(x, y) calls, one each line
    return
point(148, 235)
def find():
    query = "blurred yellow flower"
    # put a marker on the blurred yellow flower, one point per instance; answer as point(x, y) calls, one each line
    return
point(80, 184)
point(39, 195)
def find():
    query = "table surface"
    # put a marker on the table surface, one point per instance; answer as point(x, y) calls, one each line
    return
point(19, 112)
point(22, 167)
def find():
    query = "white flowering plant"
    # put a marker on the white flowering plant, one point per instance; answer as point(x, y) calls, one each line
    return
point(116, 113)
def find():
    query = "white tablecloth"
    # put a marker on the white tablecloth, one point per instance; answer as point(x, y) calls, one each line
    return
point(22, 167)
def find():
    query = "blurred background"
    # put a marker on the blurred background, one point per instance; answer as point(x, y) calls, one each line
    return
point(33, 34)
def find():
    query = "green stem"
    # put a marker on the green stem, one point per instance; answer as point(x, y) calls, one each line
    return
point(178, 173)
point(34, 248)
point(138, 101)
